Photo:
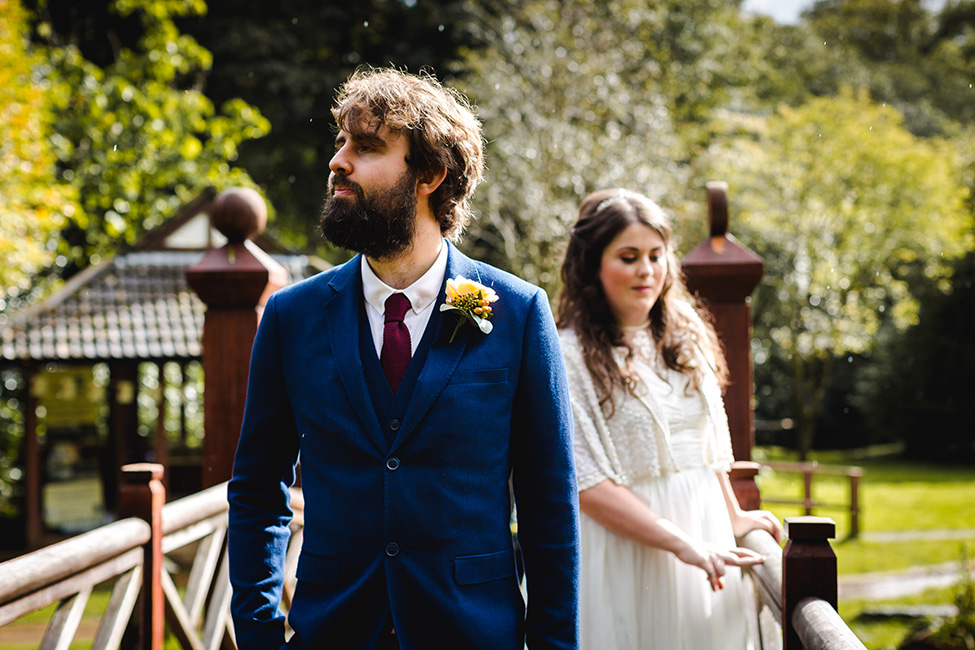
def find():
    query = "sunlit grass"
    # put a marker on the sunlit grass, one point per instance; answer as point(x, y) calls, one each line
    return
point(887, 633)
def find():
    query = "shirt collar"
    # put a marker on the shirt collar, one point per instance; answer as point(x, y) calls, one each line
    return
point(421, 293)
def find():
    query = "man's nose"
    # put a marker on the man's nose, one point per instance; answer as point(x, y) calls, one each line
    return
point(340, 164)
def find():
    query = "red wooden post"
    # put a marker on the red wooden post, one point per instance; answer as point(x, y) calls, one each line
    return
point(142, 495)
point(234, 281)
point(808, 569)
point(724, 274)
point(743, 473)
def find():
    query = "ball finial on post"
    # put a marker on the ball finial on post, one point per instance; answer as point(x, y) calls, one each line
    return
point(239, 213)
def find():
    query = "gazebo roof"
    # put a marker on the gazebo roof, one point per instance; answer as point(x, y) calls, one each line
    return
point(134, 306)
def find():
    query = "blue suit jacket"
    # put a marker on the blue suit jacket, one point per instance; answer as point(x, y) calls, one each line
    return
point(418, 528)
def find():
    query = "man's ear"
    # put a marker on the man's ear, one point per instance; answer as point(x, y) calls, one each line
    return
point(430, 180)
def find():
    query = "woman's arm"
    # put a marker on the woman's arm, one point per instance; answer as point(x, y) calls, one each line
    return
point(743, 521)
point(619, 510)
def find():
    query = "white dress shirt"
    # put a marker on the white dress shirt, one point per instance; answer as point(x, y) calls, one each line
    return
point(422, 294)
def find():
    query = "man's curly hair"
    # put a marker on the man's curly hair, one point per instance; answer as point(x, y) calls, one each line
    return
point(439, 124)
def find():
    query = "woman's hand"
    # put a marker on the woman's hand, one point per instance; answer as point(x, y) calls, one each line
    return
point(743, 521)
point(713, 559)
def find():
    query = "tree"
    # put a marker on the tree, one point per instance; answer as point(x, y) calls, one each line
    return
point(919, 61)
point(928, 371)
point(850, 212)
point(136, 138)
point(577, 96)
point(288, 57)
point(33, 204)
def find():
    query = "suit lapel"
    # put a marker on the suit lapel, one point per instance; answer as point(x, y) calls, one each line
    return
point(443, 357)
point(342, 313)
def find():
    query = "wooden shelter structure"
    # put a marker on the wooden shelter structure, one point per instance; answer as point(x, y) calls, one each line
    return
point(83, 353)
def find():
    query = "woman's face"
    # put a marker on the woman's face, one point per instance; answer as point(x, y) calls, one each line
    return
point(633, 270)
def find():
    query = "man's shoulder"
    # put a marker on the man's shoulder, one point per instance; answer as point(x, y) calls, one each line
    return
point(505, 283)
point(320, 284)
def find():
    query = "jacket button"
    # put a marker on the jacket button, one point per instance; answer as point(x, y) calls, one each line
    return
point(394, 425)
point(392, 549)
point(392, 463)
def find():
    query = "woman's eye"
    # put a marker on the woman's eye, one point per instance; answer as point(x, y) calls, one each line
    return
point(628, 260)
point(655, 258)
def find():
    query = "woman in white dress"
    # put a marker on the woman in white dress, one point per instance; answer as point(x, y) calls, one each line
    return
point(660, 567)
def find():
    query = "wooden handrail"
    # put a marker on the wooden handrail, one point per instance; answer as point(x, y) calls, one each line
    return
point(801, 580)
point(66, 573)
point(819, 626)
point(43, 567)
point(809, 579)
point(194, 508)
point(768, 575)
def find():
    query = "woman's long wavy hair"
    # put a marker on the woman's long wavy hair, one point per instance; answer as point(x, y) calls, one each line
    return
point(680, 337)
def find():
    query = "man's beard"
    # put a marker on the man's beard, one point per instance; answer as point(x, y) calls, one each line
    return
point(378, 226)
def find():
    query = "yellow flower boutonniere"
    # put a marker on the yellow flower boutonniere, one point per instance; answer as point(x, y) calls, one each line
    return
point(472, 303)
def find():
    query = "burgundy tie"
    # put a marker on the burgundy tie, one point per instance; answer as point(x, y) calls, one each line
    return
point(396, 352)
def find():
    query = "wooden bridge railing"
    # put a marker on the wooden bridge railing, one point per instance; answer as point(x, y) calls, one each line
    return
point(146, 555)
point(797, 587)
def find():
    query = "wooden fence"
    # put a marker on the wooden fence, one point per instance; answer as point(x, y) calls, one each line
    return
point(809, 471)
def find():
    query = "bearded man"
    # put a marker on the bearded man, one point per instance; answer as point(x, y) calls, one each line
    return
point(416, 385)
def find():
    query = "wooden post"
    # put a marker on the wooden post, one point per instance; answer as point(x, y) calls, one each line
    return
point(234, 281)
point(33, 519)
point(743, 473)
point(142, 495)
point(807, 484)
point(855, 474)
point(724, 274)
point(123, 414)
point(808, 569)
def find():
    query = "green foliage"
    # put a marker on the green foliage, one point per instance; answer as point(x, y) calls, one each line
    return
point(958, 631)
point(928, 371)
point(287, 58)
point(919, 61)
point(137, 138)
point(849, 211)
point(32, 204)
point(577, 96)
point(12, 391)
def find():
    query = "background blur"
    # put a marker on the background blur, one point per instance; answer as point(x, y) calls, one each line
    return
point(845, 134)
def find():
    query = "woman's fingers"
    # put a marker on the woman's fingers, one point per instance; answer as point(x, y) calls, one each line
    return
point(743, 557)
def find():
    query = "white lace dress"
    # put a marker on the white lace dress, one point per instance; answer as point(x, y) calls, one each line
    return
point(665, 445)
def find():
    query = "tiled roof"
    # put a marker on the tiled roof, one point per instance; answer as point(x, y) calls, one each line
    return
point(137, 306)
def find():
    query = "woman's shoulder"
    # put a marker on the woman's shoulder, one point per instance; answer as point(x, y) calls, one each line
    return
point(571, 350)
point(568, 336)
